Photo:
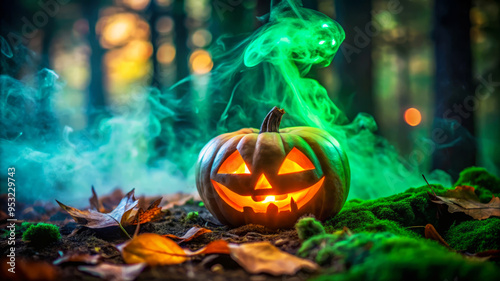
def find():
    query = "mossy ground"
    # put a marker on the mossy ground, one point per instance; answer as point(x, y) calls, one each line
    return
point(397, 214)
point(388, 241)
point(392, 257)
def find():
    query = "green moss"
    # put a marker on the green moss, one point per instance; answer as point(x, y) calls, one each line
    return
point(485, 195)
point(391, 214)
point(388, 226)
point(41, 234)
point(475, 235)
point(479, 178)
point(201, 204)
point(340, 248)
point(402, 258)
point(192, 216)
point(309, 227)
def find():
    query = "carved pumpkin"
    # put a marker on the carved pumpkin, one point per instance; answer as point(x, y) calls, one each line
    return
point(273, 177)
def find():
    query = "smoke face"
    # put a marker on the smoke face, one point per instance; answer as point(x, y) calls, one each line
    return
point(153, 144)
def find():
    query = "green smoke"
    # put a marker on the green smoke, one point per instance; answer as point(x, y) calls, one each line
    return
point(271, 67)
point(153, 143)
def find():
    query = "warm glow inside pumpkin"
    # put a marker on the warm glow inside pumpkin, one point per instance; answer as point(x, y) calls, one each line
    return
point(295, 162)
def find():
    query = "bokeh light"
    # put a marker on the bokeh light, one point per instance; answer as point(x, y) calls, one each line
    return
point(201, 38)
point(166, 53)
point(117, 29)
point(200, 62)
point(164, 24)
point(136, 4)
point(413, 116)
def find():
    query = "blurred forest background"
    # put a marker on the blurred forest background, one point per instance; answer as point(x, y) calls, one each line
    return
point(414, 65)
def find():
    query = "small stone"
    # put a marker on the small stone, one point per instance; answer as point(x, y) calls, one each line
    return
point(217, 268)
point(280, 242)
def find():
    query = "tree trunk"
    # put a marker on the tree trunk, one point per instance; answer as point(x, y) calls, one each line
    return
point(154, 14)
point(354, 60)
point(96, 97)
point(453, 129)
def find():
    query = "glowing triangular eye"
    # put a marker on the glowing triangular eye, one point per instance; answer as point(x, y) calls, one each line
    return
point(234, 164)
point(295, 162)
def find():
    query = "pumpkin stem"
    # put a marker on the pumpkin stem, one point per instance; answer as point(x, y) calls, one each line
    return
point(272, 121)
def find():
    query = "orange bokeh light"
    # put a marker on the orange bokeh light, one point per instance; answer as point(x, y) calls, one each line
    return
point(201, 62)
point(413, 116)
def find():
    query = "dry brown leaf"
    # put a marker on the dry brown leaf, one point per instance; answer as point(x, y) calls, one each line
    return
point(95, 219)
point(95, 204)
point(152, 249)
point(463, 199)
point(152, 213)
point(179, 199)
point(114, 272)
point(431, 233)
point(77, 258)
point(263, 257)
point(192, 233)
point(155, 249)
point(493, 255)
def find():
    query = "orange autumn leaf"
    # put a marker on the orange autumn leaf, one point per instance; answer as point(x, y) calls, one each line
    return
point(152, 213)
point(263, 257)
point(464, 199)
point(192, 233)
point(155, 249)
point(214, 247)
point(152, 249)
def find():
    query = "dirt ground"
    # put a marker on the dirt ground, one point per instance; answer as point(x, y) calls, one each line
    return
point(103, 241)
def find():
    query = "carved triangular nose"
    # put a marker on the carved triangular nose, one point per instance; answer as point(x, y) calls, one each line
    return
point(263, 183)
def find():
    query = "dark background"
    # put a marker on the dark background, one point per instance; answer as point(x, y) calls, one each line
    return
point(441, 57)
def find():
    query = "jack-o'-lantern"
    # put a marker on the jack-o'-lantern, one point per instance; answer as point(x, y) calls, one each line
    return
point(272, 177)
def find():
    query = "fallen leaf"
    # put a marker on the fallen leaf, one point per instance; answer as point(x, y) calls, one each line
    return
point(214, 247)
point(152, 213)
point(179, 199)
point(431, 233)
point(114, 272)
point(28, 271)
point(111, 200)
point(263, 257)
point(152, 249)
point(493, 255)
point(463, 199)
point(95, 204)
point(192, 233)
point(95, 219)
point(77, 258)
point(155, 249)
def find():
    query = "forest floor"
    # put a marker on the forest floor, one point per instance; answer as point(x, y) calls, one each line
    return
point(382, 239)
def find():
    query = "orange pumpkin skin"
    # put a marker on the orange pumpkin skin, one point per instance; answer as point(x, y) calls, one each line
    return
point(264, 189)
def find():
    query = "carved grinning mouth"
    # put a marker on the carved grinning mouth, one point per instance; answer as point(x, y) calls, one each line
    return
point(259, 204)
